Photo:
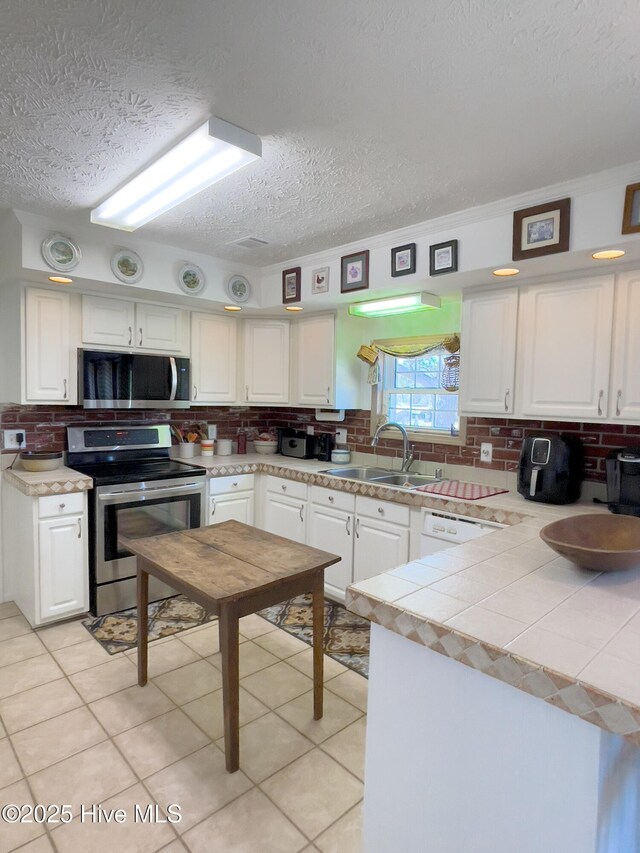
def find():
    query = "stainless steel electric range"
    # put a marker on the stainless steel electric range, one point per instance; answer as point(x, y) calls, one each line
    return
point(138, 491)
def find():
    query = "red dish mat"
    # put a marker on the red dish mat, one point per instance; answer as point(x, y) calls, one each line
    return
point(459, 489)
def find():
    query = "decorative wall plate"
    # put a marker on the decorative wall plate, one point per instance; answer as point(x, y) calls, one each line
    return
point(191, 279)
point(60, 253)
point(127, 266)
point(238, 288)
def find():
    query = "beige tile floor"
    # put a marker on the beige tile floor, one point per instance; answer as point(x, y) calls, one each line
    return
point(76, 729)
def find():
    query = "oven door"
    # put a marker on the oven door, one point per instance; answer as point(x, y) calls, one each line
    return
point(137, 510)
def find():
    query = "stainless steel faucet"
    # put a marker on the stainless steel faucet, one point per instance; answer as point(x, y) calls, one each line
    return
point(407, 455)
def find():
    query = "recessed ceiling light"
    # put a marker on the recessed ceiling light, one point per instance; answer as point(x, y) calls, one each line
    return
point(293, 308)
point(607, 255)
point(406, 304)
point(506, 271)
point(232, 308)
point(60, 279)
point(208, 154)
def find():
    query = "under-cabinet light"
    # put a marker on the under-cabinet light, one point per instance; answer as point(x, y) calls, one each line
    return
point(607, 255)
point(60, 279)
point(395, 305)
point(208, 154)
point(504, 271)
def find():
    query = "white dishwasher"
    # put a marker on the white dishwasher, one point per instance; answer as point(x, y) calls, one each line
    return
point(442, 530)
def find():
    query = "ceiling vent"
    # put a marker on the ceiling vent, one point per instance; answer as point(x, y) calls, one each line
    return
point(250, 243)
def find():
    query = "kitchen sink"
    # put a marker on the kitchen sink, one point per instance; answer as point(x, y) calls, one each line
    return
point(358, 473)
point(383, 477)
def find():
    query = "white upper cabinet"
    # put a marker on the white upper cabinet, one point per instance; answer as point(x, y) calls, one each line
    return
point(121, 323)
point(624, 397)
point(266, 361)
point(107, 322)
point(213, 358)
point(488, 352)
point(565, 331)
point(314, 362)
point(160, 327)
point(49, 374)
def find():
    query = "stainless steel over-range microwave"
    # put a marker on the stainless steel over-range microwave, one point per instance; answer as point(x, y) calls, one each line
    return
point(125, 380)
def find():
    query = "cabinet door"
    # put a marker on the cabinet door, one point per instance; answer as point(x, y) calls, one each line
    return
point(314, 361)
point(332, 530)
point(266, 361)
point(566, 343)
point(624, 401)
point(159, 327)
point(107, 322)
point(64, 574)
point(48, 375)
point(488, 352)
point(379, 546)
point(235, 505)
point(213, 358)
point(285, 516)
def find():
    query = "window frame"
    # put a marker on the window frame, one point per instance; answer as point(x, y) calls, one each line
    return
point(378, 415)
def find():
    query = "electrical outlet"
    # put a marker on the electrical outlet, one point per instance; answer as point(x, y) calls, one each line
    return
point(212, 431)
point(341, 436)
point(10, 439)
point(310, 429)
point(486, 451)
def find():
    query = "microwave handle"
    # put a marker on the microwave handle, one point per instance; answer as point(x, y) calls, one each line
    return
point(174, 378)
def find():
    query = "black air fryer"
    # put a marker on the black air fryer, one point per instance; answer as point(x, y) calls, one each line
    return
point(551, 469)
point(623, 480)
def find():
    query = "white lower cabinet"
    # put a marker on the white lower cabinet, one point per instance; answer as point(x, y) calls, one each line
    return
point(231, 498)
point(285, 516)
point(380, 543)
point(45, 554)
point(330, 527)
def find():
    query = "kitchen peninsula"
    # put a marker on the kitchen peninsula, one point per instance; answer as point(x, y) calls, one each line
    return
point(541, 755)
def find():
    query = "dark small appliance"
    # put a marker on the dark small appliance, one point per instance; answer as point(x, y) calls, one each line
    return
point(300, 445)
point(551, 469)
point(324, 446)
point(623, 480)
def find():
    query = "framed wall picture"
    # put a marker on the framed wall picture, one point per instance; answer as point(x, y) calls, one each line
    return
point(631, 215)
point(320, 280)
point(354, 272)
point(541, 230)
point(291, 285)
point(403, 260)
point(443, 257)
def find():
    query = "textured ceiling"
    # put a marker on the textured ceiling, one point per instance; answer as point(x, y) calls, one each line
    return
point(374, 114)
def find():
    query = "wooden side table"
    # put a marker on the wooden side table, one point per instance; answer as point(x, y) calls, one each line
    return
point(232, 570)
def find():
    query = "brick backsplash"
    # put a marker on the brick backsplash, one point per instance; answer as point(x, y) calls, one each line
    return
point(45, 428)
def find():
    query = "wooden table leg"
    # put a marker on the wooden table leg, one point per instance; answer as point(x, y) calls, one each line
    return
point(143, 604)
point(230, 685)
point(318, 643)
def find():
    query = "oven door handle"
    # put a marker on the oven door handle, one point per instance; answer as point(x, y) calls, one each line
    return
point(174, 378)
point(153, 490)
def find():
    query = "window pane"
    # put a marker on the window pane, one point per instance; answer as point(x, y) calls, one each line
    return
point(400, 401)
point(422, 420)
point(427, 362)
point(404, 364)
point(428, 380)
point(400, 416)
point(422, 401)
point(447, 402)
point(405, 380)
point(445, 420)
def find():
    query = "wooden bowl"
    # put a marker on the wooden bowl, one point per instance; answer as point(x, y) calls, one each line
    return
point(604, 543)
point(40, 460)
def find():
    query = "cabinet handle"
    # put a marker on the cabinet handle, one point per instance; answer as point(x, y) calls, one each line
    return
point(348, 525)
point(65, 388)
point(195, 392)
point(140, 335)
point(618, 399)
point(61, 506)
point(283, 487)
point(600, 396)
point(506, 398)
point(213, 507)
point(302, 513)
point(130, 335)
point(246, 393)
point(328, 393)
point(234, 484)
point(79, 528)
point(357, 528)
point(381, 510)
point(331, 499)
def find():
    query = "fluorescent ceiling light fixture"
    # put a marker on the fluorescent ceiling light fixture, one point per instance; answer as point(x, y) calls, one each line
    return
point(293, 308)
point(232, 308)
point(60, 279)
point(506, 271)
point(208, 154)
point(607, 255)
point(406, 304)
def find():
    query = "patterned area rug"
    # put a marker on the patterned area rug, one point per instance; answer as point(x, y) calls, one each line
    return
point(346, 635)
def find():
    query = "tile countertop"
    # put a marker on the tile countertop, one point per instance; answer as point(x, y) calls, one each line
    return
point(38, 484)
point(506, 604)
